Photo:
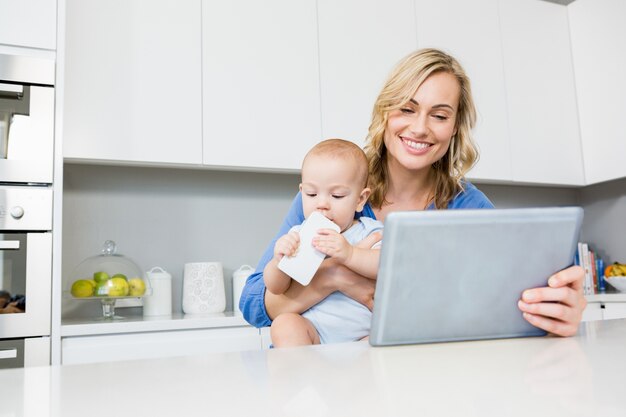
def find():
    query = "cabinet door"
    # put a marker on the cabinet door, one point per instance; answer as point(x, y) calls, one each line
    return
point(356, 55)
point(133, 81)
point(593, 312)
point(469, 30)
point(598, 41)
point(92, 349)
point(261, 106)
point(28, 23)
point(540, 91)
point(614, 311)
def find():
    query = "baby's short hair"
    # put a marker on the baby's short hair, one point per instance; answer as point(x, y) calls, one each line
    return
point(341, 148)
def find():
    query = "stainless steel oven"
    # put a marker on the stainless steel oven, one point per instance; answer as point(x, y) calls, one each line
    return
point(25, 269)
point(25, 261)
point(26, 119)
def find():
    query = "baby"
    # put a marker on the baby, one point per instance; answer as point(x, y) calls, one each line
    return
point(334, 183)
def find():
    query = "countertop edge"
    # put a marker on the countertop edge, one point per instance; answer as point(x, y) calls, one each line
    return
point(135, 324)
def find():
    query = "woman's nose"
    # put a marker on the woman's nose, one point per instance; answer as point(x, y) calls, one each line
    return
point(419, 125)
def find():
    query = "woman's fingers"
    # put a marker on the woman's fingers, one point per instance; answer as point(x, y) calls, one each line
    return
point(572, 277)
point(553, 326)
point(557, 308)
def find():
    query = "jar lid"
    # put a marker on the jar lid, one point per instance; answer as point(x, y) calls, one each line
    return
point(157, 273)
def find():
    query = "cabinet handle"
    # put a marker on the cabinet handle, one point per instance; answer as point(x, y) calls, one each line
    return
point(8, 353)
point(11, 91)
point(9, 244)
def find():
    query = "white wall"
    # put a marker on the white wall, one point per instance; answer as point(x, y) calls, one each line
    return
point(605, 219)
point(167, 217)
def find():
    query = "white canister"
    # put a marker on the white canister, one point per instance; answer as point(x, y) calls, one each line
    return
point(239, 280)
point(159, 302)
point(203, 288)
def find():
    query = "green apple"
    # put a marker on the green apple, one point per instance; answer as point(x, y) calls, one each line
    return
point(100, 277)
point(120, 276)
point(137, 287)
point(102, 289)
point(82, 288)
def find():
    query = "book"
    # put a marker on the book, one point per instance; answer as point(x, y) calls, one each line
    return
point(588, 286)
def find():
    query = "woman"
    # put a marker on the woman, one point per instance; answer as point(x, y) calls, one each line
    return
point(419, 148)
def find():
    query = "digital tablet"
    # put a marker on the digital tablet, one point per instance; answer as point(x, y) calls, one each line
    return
point(452, 275)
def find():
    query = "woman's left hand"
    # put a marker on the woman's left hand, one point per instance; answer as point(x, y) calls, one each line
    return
point(557, 308)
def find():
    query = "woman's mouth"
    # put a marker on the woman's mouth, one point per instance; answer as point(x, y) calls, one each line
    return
point(419, 147)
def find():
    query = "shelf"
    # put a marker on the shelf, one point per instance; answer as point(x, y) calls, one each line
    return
point(135, 324)
point(608, 297)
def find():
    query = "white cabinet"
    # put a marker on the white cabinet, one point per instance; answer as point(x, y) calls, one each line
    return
point(28, 23)
point(605, 306)
point(614, 311)
point(261, 101)
point(540, 91)
point(469, 30)
point(359, 42)
point(598, 38)
point(132, 81)
point(118, 347)
point(592, 312)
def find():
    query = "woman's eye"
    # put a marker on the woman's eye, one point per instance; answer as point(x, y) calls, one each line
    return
point(440, 117)
point(407, 110)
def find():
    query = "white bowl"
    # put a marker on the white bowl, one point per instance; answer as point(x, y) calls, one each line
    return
point(619, 283)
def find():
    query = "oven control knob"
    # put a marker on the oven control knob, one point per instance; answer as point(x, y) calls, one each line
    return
point(17, 212)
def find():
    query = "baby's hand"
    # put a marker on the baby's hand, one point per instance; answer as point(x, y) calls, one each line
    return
point(287, 245)
point(333, 244)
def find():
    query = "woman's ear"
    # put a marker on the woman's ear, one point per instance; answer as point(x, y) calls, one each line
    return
point(365, 194)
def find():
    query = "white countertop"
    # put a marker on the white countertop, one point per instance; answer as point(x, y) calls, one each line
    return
point(133, 324)
point(532, 377)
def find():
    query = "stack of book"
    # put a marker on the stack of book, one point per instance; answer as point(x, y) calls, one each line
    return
point(594, 269)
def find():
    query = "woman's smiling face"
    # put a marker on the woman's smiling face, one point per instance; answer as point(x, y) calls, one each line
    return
point(419, 133)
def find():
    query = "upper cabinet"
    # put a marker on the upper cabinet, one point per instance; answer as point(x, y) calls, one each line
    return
point(132, 81)
point(261, 100)
point(358, 46)
point(540, 91)
point(253, 85)
point(28, 23)
point(598, 36)
point(469, 31)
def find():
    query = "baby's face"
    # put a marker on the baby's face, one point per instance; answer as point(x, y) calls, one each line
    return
point(332, 186)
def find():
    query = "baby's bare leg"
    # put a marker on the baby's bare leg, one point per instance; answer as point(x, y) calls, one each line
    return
point(291, 329)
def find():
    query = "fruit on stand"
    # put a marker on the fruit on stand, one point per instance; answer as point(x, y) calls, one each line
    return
point(615, 270)
point(101, 289)
point(100, 277)
point(105, 285)
point(137, 287)
point(82, 288)
point(118, 287)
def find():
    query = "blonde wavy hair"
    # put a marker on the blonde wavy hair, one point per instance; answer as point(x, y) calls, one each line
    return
point(400, 87)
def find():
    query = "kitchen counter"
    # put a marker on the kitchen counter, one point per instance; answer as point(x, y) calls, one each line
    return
point(530, 377)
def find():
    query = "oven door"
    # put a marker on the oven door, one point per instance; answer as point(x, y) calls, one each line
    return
point(26, 133)
point(25, 283)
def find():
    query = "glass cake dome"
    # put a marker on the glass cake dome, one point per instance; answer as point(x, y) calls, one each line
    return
point(107, 277)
